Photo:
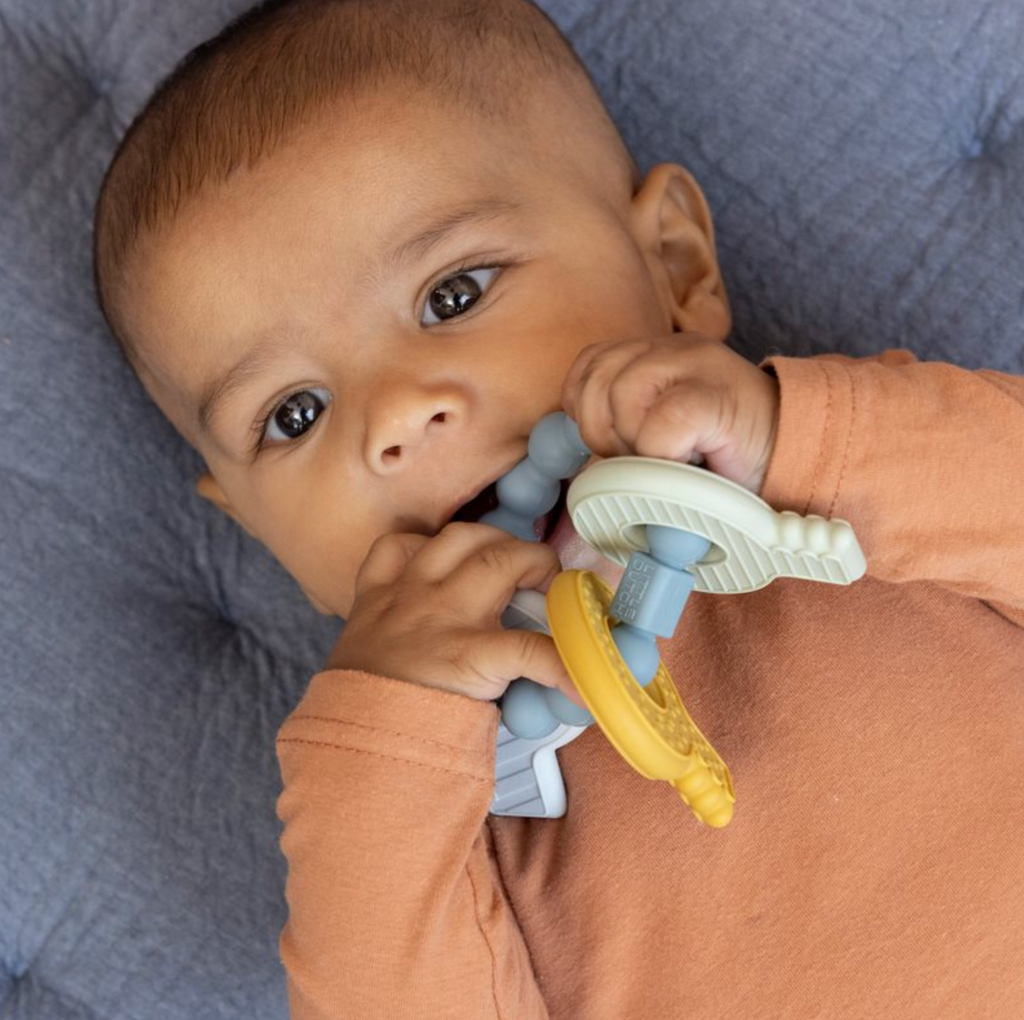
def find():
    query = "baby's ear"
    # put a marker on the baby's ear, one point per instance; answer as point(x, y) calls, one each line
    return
point(209, 488)
point(672, 225)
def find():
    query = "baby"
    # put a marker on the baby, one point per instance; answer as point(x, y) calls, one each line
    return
point(355, 250)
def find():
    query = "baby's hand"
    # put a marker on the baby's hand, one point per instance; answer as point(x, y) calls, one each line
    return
point(428, 610)
point(684, 397)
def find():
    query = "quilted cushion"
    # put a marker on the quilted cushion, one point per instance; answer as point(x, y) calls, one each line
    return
point(864, 167)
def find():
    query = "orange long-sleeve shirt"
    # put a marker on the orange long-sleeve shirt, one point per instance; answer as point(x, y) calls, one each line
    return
point(875, 864)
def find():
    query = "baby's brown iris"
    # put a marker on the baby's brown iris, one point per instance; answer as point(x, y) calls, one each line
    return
point(454, 296)
point(297, 413)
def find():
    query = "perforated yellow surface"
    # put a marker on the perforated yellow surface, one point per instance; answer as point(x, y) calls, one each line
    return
point(648, 726)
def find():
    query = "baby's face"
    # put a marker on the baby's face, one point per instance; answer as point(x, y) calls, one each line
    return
point(399, 296)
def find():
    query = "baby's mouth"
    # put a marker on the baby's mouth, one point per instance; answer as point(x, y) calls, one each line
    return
point(487, 499)
point(555, 528)
point(481, 503)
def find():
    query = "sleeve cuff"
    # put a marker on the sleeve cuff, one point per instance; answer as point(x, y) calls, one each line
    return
point(806, 470)
point(382, 716)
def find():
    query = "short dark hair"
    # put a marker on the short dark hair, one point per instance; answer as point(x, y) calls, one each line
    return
point(235, 98)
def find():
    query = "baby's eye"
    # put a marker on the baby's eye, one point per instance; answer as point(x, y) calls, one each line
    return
point(457, 294)
point(295, 415)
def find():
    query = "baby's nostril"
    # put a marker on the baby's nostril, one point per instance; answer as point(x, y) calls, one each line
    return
point(392, 451)
point(440, 416)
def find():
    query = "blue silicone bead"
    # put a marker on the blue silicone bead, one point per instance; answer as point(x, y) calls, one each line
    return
point(639, 651)
point(527, 491)
point(513, 523)
point(675, 548)
point(566, 711)
point(556, 446)
point(525, 710)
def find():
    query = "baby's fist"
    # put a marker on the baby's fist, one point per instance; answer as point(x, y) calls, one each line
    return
point(683, 397)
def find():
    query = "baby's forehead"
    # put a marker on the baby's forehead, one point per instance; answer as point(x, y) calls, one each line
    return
point(335, 205)
point(365, 192)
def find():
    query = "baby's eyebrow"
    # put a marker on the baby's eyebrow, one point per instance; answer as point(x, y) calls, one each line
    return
point(252, 364)
point(440, 225)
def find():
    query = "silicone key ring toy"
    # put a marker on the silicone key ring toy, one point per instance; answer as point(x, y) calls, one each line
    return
point(675, 527)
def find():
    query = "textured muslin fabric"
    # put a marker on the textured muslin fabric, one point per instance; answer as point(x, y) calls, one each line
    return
point(862, 162)
point(873, 867)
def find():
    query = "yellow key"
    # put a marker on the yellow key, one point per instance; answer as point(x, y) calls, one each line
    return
point(648, 726)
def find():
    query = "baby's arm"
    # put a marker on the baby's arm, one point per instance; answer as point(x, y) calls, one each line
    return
point(925, 459)
point(395, 904)
point(394, 901)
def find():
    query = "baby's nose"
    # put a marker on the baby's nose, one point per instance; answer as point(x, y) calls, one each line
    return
point(406, 420)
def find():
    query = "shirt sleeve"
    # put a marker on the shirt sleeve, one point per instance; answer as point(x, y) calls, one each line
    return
point(924, 459)
point(395, 905)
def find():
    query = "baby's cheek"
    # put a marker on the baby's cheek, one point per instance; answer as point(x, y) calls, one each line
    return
point(320, 565)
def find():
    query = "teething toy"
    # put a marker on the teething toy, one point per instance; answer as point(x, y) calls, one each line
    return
point(675, 528)
point(528, 781)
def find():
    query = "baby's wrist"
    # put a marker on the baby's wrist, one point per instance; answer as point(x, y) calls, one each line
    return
point(773, 402)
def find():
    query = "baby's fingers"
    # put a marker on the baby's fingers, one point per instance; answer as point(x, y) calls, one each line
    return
point(579, 373)
point(683, 422)
point(509, 654)
point(587, 394)
point(387, 559)
point(483, 567)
